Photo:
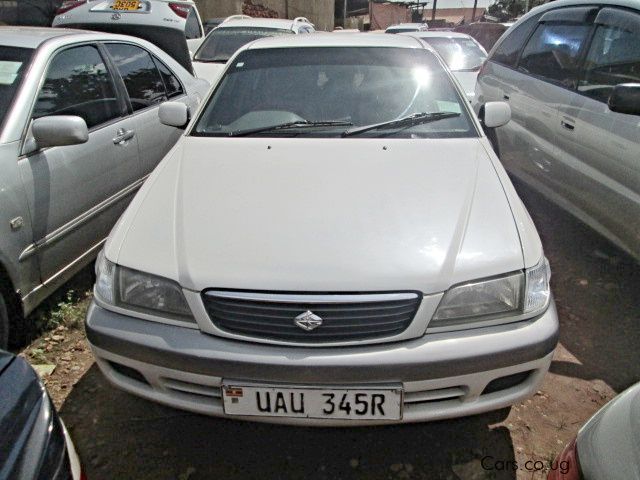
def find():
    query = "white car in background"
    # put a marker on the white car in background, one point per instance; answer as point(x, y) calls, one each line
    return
point(236, 31)
point(153, 20)
point(407, 27)
point(462, 53)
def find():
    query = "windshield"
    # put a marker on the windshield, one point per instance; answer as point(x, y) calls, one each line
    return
point(459, 53)
point(223, 42)
point(322, 92)
point(13, 64)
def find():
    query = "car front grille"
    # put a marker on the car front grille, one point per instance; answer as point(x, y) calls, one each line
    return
point(343, 317)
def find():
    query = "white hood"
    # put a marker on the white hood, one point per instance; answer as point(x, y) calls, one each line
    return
point(320, 215)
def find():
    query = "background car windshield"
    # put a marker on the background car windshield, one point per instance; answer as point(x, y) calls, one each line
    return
point(359, 85)
point(223, 42)
point(13, 63)
point(459, 53)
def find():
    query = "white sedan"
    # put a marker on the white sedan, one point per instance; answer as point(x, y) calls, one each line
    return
point(343, 248)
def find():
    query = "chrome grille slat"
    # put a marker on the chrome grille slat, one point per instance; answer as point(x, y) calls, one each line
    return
point(272, 316)
point(293, 307)
point(293, 328)
point(319, 311)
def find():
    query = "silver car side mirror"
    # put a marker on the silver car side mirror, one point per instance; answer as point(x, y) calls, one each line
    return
point(174, 114)
point(496, 114)
point(59, 131)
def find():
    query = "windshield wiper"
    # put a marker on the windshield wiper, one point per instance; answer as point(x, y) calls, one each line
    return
point(289, 125)
point(404, 122)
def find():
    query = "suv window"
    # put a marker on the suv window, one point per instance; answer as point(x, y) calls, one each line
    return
point(171, 82)
point(141, 77)
point(613, 58)
point(192, 26)
point(509, 49)
point(78, 83)
point(553, 52)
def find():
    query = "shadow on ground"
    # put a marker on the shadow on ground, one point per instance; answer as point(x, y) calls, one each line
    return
point(596, 287)
point(124, 437)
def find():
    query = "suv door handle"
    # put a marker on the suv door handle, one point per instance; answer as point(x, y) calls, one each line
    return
point(567, 125)
point(122, 136)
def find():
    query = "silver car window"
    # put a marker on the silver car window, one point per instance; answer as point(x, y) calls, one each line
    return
point(78, 83)
point(613, 58)
point(553, 52)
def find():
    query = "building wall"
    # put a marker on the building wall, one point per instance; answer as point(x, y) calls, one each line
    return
point(386, 14)
point(319, 12)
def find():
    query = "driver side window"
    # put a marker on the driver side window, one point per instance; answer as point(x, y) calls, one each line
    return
point(78, 83)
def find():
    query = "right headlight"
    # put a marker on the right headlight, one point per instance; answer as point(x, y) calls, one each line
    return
point(513, 294)
point(140, 292)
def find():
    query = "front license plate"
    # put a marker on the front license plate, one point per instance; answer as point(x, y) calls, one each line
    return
point(311, 402)
point(126, 5)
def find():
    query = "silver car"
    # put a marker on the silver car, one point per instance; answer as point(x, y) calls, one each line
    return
point(570, 71)
point(79, 135)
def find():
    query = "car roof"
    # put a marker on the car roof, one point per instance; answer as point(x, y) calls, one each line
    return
point(401, 25)
point(336, 39)
point(34, 37)
point(281, 23)
point(31, 37)
point(436, 34)
point(634, 4)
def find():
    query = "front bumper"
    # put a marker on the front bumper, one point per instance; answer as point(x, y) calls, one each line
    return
point(444, 375)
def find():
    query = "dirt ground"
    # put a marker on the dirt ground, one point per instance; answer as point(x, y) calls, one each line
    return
point(596, 287)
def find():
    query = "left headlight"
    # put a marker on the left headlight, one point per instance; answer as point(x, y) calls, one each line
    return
point(518, 293)
point(140, 292)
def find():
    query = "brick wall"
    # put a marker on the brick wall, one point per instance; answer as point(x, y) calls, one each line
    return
point(385, 14)
point(319, 12)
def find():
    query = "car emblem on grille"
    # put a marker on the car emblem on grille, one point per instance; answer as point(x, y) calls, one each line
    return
point(116, 16)
point(308, 321)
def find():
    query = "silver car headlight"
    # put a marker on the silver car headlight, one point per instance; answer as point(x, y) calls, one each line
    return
point(141, 292)
point(513, 294)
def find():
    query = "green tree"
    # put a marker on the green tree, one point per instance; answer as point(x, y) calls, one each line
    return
point(504, 10)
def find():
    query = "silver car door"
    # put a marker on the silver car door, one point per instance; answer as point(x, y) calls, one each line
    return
point(500, 81)
point(148, 82)
point(600, 149)
point(550, 63)
point(76, 193)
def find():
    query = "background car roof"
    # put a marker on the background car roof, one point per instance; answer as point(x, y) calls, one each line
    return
point(436, 34)
point(31, 37)
point(262, 22)
point(337, 40)
point(634, 4)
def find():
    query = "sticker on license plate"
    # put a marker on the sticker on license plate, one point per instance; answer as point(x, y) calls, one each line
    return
point(126, 5)
point(311, 402)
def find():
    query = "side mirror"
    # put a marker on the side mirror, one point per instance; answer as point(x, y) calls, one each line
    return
point(59, 131)
point(174, 114)
point(496, 114)
point(625, 98)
